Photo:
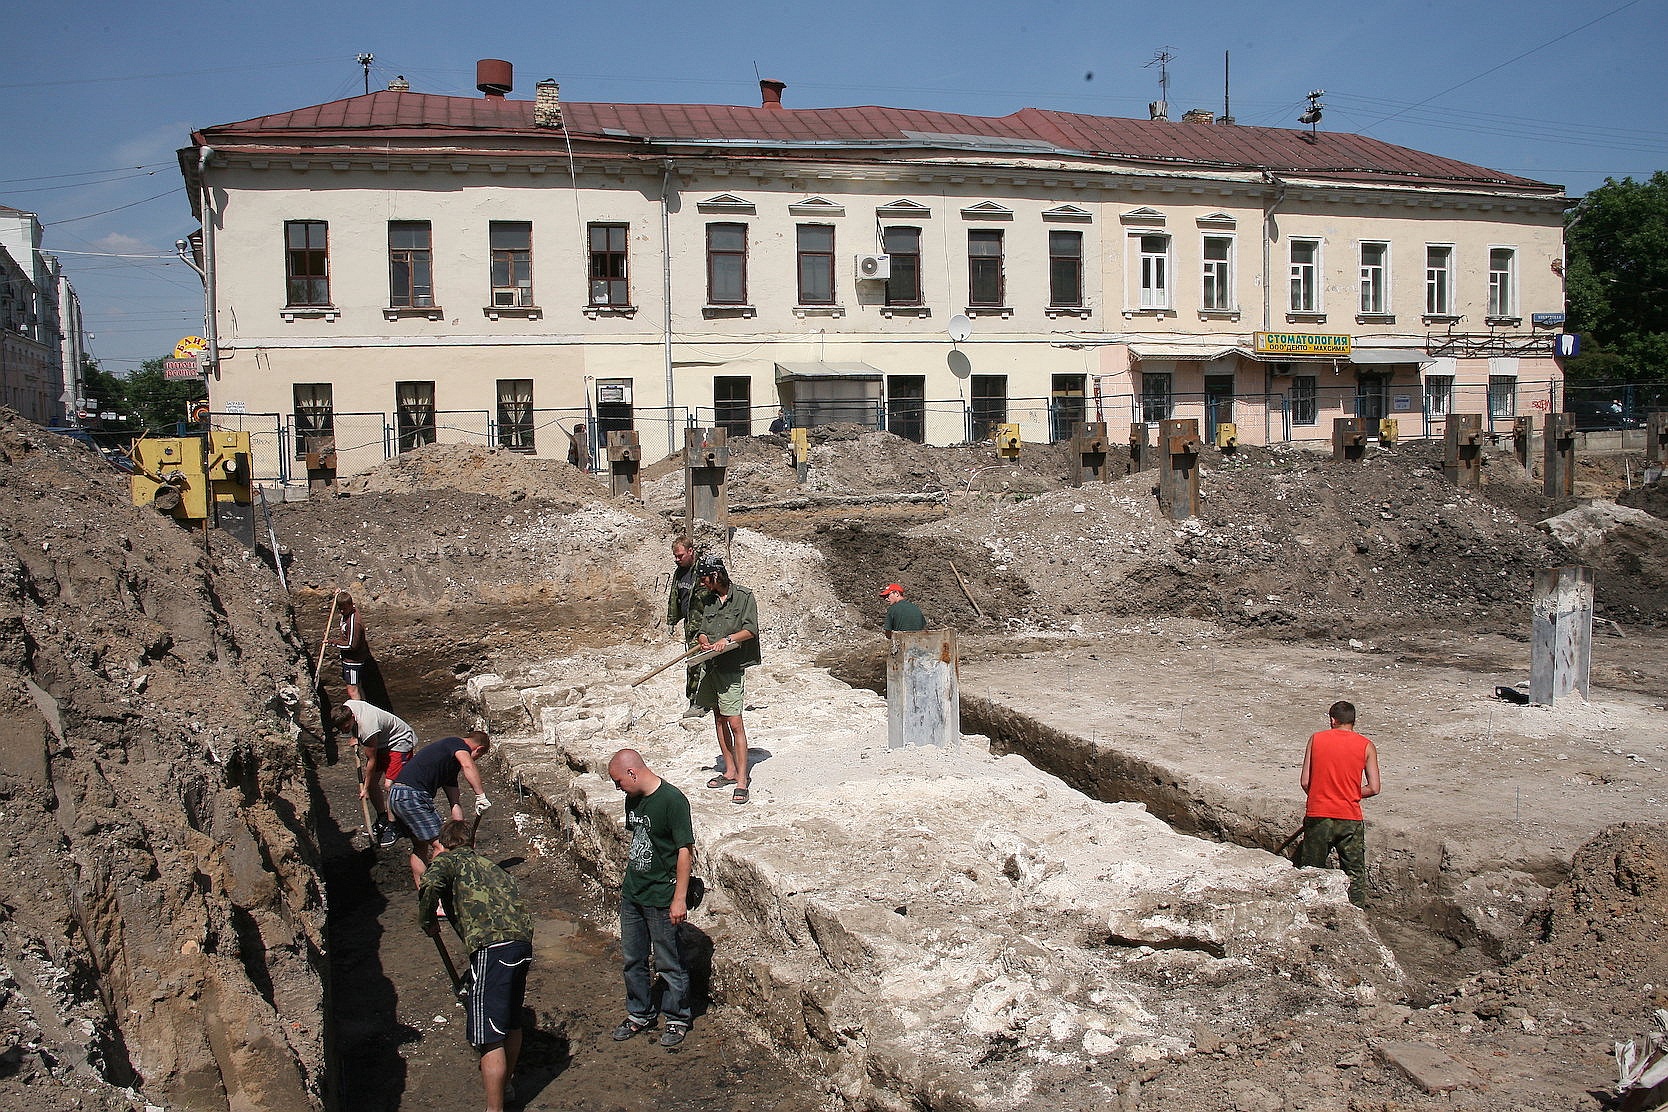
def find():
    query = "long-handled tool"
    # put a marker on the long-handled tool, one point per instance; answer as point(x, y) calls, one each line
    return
point(694, 656)
point(446, 960)
point(1296, 834)
point(364, 803)
point(324, 642)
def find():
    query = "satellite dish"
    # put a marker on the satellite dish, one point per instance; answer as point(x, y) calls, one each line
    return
point(960, 328)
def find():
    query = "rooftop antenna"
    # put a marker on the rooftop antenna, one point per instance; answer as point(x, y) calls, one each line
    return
point(1313, 114)
point(1160, 108)
point(1227, 115)
point(365, 59)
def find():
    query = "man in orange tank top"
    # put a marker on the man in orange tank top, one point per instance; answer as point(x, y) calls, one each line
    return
point(1340, 769)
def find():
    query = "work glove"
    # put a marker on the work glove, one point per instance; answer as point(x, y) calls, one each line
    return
point(481, 804)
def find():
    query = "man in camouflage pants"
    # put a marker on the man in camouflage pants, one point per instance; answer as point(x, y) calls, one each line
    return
point(497, 929)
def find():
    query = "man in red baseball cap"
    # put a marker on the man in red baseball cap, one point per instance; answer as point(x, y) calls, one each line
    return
point(900, 615)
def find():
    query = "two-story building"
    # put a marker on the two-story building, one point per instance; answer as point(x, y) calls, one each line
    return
point(402, 267)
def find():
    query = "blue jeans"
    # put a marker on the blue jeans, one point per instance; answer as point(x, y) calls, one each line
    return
point(639, 926)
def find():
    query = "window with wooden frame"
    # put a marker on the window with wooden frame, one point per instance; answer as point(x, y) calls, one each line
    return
point(410, 264)
point(414, 414)
point(515, 414)
point(732, 404)
point(1155, 396)
point(314, 416)
point(988, 405)
point(1065, 269)
point(984, 267)
point(511, 244)
point(816, 264)
point(1305, 400)
point(726, 264)
point(306, 262)
point(608, 273)
point(903, 246)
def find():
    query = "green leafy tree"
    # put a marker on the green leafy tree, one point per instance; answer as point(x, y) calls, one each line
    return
point(159, 403)
point(1616, 286)
point(108, 392)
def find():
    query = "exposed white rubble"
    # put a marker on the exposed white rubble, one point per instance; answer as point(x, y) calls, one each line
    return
point(935, 925)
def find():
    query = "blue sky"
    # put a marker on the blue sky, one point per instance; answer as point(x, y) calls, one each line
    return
point(96, 97)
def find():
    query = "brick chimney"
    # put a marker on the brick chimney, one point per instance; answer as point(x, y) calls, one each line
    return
point(770, 93)
point(547, 105)
point(1198, 116)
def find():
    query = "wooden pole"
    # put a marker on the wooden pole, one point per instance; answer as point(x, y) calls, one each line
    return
point(966, 591)
point(324, 642)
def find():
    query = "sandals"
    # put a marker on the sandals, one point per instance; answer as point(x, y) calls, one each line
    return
point(720, 781)
point(739, 796)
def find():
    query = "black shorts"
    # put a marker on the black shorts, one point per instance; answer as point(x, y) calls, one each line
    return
point(350, 672)
point(497, 988)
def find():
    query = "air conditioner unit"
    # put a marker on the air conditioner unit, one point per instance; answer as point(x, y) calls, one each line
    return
point(509, 297)
point(874, 267)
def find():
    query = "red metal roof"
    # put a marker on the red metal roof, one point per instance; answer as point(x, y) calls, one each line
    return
point(416, 116)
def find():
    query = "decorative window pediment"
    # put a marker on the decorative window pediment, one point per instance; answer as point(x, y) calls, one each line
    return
point(1144, 217)
point(1217, 220)
point(1068, 214)
point(727, 202)
point(987, 210)
point(817, 206)
point(903, 210)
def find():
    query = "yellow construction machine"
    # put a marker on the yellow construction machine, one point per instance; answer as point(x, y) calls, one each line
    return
point(189, 477)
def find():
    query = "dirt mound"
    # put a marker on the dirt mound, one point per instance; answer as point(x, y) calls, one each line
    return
point(163, 925)
point(1628, 549)
point(476, 470)
point(1651, 497)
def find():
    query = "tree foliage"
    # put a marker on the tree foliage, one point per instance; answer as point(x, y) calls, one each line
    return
point(1616, 284)
point(159, 403)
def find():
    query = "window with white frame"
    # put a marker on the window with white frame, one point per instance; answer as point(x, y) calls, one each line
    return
point(1218, 273)
point(1154, 276)
point(1375, 278)
point(1439, 280)
point(1305, 276)
point(1502, 283)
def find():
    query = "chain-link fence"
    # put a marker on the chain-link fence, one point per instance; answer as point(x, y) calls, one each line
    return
point(268, 460)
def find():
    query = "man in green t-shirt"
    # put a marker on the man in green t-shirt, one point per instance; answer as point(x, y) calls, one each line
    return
point(653, 896)
point(729, 624)
point(901, 616)
point(486, 908)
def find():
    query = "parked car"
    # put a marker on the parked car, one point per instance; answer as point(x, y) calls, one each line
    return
point(1599, 414)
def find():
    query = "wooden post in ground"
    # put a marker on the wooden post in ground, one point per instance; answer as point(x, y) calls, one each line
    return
point(1462, 450)
point(923, 692)
point(1561, 649)
point(1558, 460)
point(706, 455)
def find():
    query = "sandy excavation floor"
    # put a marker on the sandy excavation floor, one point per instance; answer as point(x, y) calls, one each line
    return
point(1204, 650)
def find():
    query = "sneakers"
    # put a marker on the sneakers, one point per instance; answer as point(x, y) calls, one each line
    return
point(629, 1027)
point(382, 832)
point(694, 711)
point(674, 1033)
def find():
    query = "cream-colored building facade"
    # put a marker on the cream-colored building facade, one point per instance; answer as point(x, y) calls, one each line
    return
point(402, 267)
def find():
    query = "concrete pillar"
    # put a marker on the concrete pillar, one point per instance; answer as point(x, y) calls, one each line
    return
point(1561, 635)
point(1140, 448)
point(1558, 458)
point(923, 689)
point(1349, 438)
point(1178, 468)
point(1462, 450)
point(1088, 452)
point(705, 458)
point(625, 459)
point(1523, 441)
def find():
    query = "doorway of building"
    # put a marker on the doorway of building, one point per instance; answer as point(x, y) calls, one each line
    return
point(1219, 403)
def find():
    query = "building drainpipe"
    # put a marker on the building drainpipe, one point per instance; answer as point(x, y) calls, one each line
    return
point(1268, 247)
point(210, 314)
point(674, 441)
